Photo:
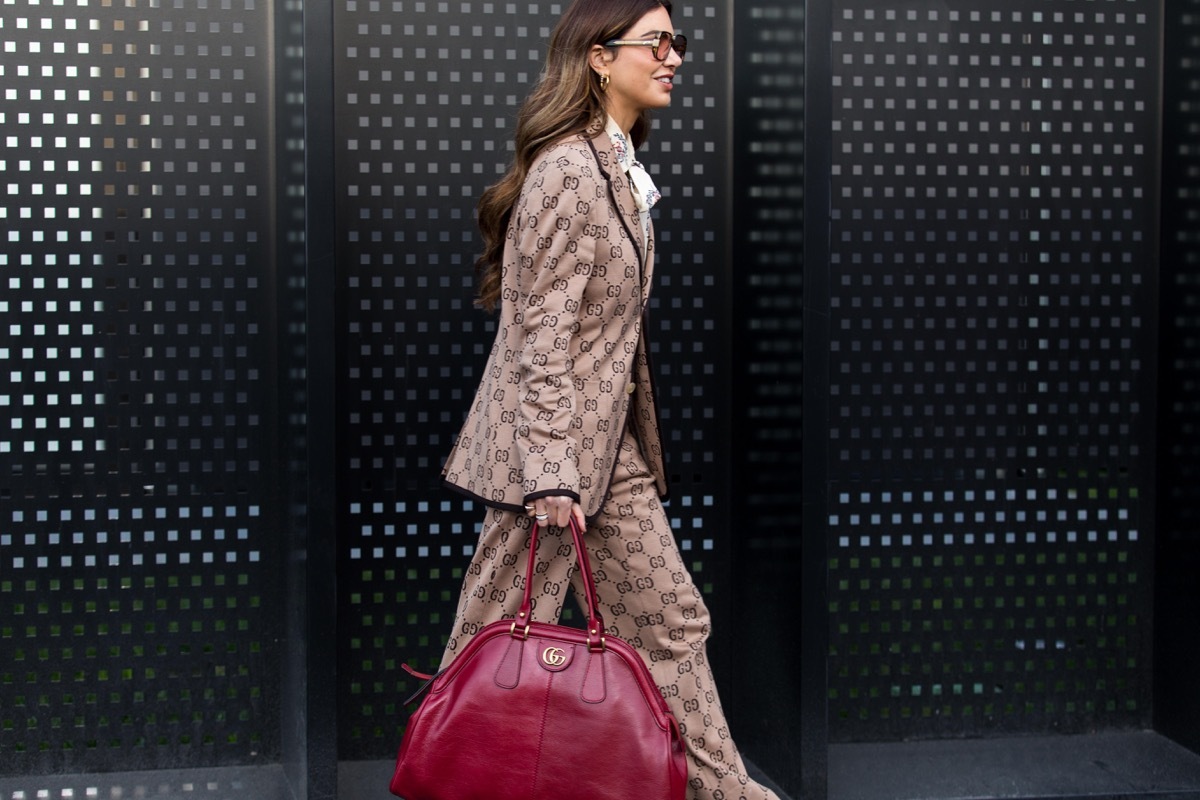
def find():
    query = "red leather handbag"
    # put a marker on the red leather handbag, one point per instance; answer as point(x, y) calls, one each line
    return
point(533, 711)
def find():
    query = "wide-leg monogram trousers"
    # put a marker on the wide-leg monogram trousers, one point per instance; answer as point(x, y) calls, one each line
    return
point(647, 598)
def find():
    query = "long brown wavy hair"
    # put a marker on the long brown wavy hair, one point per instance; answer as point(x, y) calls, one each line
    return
point(567, 100)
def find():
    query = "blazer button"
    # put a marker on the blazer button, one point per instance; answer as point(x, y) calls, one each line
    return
point(630, 388)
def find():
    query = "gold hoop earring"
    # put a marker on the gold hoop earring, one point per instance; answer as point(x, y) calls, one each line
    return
point(604, 83)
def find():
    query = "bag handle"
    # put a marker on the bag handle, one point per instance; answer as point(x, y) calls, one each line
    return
point(595, 626)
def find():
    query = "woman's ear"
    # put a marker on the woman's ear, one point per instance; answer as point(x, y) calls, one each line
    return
point(599, 58)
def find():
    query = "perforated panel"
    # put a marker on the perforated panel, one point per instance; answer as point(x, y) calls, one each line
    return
point(1181, 272)
point(767, 108)
point(136, 612)
point(992, 294)
point(427, 95)
point(769, 231)
point(1177, 706)
point(210, 783)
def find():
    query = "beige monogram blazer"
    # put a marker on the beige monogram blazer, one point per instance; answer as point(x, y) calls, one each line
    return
point(569, 368)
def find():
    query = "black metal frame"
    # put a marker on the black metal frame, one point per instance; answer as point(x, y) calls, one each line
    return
point(323, 330)
point(1177, 598)
point(818, 151)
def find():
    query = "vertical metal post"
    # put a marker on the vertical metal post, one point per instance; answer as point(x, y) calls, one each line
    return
point(322, 349)
point(814, 622)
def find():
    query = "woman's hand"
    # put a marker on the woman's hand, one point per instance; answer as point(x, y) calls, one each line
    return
point(557, 510)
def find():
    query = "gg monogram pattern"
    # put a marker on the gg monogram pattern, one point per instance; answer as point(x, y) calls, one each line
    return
point(569, 366)
point(646, 597)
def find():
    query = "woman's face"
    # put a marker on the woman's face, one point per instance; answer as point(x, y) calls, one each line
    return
point(637, 80)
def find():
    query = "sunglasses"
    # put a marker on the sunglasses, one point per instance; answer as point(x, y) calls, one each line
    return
point(663, 45)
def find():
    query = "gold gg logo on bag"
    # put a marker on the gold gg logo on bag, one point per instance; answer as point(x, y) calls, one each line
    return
point(556, 659)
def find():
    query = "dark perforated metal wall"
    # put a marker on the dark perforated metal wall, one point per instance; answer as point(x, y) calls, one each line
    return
point(767, 373)
point(992, 276)
point(138, 556)
point(993, 279)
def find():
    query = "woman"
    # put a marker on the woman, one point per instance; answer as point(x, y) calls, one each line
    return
point(564, 424)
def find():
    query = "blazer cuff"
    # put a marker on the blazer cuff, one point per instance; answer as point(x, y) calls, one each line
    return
point(529, 498)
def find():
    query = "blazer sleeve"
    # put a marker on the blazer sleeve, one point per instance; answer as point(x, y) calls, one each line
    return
point(555, 243)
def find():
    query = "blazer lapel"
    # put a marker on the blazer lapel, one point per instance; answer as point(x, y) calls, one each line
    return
point(622, 197)
point(648, 264)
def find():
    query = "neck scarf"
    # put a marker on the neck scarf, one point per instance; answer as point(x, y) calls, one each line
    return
point(645, 193)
